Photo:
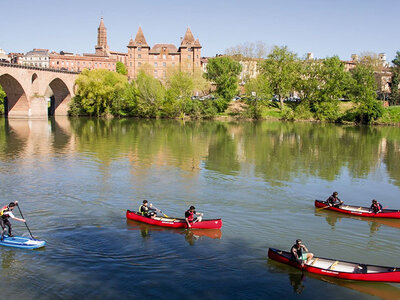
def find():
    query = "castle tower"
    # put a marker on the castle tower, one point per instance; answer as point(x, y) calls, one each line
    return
point(190, 50)
point(138, 53)
point(102, 47)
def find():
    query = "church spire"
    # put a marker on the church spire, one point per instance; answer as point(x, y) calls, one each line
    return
point(102, 47)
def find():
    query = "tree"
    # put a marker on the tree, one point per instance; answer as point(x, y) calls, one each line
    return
point(179, 90)
point(258, 92)
point(321, 86)
point(2, 96)
point(121, 68)
point(100, 92)
point(248, 51)
point(150, 95)
point(224, 72)
point(395, 95)
point(363, 93)
point(281, 68)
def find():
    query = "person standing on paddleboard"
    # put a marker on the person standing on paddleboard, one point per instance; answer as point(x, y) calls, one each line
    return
point(5, 214)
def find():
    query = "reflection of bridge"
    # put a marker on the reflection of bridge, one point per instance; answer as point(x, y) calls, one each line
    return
point(30, 89)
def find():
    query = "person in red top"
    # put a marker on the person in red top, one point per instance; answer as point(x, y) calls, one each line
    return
point(5, 214)
point(376, 206)
point(190, 216)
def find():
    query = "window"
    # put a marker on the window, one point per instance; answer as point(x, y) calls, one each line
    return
point(173, 57)
point(78, 63)
point(189, 65)
point(139, 49)
point(173, 64)
point(164, 64)
point(130, 64)
point(58, 62)
point(164, 56)
point(139, 56)
point(155, 73)
point(155, 56)
point(189, 56)
point(155, 64)
point(100, 65)
point(139, 64)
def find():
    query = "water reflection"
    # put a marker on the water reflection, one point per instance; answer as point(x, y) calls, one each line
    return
point(278, 151)
point(374, 224)
point(191, 235)
point(7, 259)
point(298, 280)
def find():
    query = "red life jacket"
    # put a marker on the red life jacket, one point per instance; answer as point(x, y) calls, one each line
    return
point(190, 216)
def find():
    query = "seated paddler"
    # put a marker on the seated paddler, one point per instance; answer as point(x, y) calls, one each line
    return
point(333, 200)
point(147, 210)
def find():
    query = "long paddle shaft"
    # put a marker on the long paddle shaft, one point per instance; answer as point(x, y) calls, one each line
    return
point(25, 221)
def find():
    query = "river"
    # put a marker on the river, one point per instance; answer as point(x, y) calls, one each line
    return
point(75, 178)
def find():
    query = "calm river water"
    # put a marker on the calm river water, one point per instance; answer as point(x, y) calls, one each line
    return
point(75, 178)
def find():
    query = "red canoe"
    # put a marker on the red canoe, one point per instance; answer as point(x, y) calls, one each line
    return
point(359, 210)
point(339, 269)
point(173, 222)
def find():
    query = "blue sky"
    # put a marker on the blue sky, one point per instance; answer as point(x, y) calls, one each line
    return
point(324, 27)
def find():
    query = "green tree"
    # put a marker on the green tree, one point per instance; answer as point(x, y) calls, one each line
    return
point(395, 95)
point(363, 93)
point(321, 86)
point(258, 92)
point(281, 68)
point(121, 68)
point(150, 95)
point(100, 92)
point(2, 96)
point(224, 72)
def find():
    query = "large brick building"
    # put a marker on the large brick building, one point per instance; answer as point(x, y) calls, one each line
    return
point(158, 58)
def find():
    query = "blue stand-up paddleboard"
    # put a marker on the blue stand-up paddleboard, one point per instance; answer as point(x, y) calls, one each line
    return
point(21, 242)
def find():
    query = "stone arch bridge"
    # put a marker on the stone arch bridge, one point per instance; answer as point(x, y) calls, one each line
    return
point(36, 92)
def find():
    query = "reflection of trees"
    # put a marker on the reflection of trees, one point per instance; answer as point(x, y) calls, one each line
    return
point(392, 159)
point(281, 151)
point(222, 156)
point(278, 151)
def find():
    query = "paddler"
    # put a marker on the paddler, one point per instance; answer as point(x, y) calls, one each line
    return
point(191, 216)
point(333, 200)
point(147, 209)
point(5, 214)
point(298, 255)
point(376, 206)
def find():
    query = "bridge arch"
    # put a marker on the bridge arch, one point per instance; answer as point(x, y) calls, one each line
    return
point(59, 95)
point(35, 83)
point(16, 102)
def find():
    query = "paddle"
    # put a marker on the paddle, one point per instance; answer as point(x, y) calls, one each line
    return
point(25, 221)
point(159, 210)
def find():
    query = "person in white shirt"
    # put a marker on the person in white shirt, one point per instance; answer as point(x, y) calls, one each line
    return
point(5, 214)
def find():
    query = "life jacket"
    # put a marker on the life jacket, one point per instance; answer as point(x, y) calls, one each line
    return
point(3, 210)
point(190, 216)
point(143, 210)
point(376, 207)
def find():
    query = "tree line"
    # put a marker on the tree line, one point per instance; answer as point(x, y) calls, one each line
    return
point(319, 86)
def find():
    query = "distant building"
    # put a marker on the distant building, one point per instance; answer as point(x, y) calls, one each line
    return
point(36, 58)
point(15, 57)
point(3, 56)
point(75, 62)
